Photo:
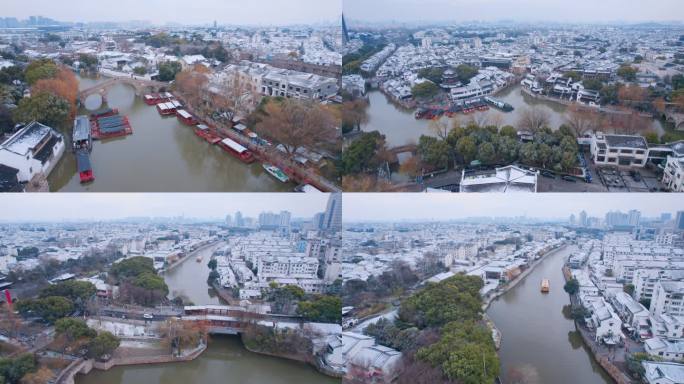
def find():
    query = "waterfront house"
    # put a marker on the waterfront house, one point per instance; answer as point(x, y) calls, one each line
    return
point(672, 350)
point(663, 373)
point(622, 150)
point(34, 149)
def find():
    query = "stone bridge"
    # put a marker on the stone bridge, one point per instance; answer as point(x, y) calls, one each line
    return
point(141, 86)
point(223, 319)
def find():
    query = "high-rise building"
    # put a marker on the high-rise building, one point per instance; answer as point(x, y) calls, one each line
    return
point(333, 213)
point(239, 221)
point(679, 221)
point(572, 220)
point(345, 31)
point(583, 219)
point(229, 221)
point(634, 217)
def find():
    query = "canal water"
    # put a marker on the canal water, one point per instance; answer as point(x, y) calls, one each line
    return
point(400, 127)
point(540, 343)
point(162, 155)
point(189, 279)
point(226, 361)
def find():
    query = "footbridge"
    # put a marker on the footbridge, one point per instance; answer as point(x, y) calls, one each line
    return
point(141, 86)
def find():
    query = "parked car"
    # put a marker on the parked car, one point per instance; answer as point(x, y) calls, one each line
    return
point(548, 174)
point(147, 316)
point(569, 178)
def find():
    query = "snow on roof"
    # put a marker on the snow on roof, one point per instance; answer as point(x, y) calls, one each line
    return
point(27, 138)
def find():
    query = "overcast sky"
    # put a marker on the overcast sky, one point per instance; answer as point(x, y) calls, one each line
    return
point(519, 10)
point(241, 12)
point(447, 206)
point(28, 206)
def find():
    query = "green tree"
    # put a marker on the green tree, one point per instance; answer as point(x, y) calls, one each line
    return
point(323, 308)
point(433, 151)
point(213, 277)
point(151, 282)
point(454, 299)
point(627, 72)
point(465, 352)
point(48, 308)
point(132, 267)
point(103, 345)
point(45, 108)
point(88, 62)
point(77, 291)
point(74, 329)
point(508, 149)
point(168, 70)
point(509, 131)
point(212, 264)
point(467, 148)
point(592, 84)
point(360, 156)
point(571, 286)
point(466, 72)
point(528, 154)
point(40, 69)
point(140, 71)
point(425, 90)
point(12, 370)
point(486, 153)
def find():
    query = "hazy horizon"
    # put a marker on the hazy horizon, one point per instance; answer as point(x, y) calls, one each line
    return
point(115, 206)
point(255, 12)
point(578, 11)
point(444, 207)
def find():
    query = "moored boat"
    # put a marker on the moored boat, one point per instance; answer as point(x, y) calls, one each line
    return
point(85, 170)
point(236, 149)
point(203, 131)
point(82, 138)
point(186, 117)
point(276, 172)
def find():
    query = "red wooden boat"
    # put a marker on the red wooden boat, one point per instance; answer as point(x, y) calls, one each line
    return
point(185, 117)
point(204, 132)
point(236, 149)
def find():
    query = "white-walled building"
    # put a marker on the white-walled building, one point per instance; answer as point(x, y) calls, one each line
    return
point(34, 149)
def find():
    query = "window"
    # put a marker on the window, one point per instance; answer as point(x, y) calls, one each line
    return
point(613, 150)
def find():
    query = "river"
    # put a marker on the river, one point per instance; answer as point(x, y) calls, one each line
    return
point(539, 340)
point(162, 155)
point(189, 279)
point(400, 127)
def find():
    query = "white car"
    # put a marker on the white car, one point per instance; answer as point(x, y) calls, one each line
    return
point(148, 316)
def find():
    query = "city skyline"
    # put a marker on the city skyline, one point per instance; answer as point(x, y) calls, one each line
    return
point(411, 11)
point(261, 12)
point(429, 207)
point(113, 206)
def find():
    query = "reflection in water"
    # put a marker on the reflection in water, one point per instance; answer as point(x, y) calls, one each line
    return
point(225, 362)
point(539, 341)
point(161, 155)
point(400, 127)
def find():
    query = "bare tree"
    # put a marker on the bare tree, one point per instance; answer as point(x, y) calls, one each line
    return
point(239, 95)
point(298, 124)
point(439, 128)
point(534, 119)
point(582, 120)
point(192, 85)
point(355, 113)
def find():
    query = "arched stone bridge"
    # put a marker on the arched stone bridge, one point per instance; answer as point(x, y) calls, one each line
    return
point(141, 87)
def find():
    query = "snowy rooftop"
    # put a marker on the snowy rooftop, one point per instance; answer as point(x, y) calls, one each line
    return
point(27, 138)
